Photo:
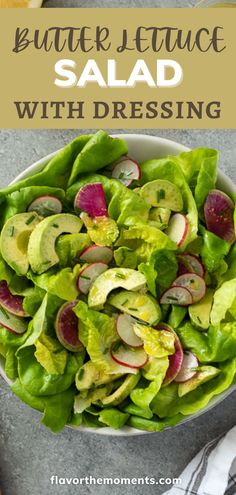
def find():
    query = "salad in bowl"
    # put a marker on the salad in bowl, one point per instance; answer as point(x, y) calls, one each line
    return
point(118, 286)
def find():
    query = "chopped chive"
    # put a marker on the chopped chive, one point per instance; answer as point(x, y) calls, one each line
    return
point(120, 275)
point(125, 302)
point(121, 176)
point(116, 346)
point(172, 298)
point(84, 276)
point(105, 350)
point(30, 220)
point(160, 195)
point(81, 374)
point(132, 309)
point(4, 313)
point(199, 319)
point(160, 219)
point(11, 231)
point(55, 225)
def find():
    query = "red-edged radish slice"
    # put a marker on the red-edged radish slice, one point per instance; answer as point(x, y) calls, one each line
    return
point(126, 171)
point(195, 284)
point(177, 229)
point(188, 368)
point(218, 211)
point(180, 296)
point(189, 263)
point(46, 206)
point(96, 253)
point(128, 356)
point(125, 330)
point(89, 274)
point(91, 199)
point(67, 327)
point(12, 303)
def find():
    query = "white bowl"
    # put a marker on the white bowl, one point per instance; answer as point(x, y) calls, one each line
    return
point(141, 148)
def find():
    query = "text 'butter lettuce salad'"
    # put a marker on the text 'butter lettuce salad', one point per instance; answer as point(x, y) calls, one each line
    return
point(118, 286)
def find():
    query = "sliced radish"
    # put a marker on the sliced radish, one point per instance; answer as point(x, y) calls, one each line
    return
point(13, 323)
point(12, 303)
point(188, 368)
point(46, 205)
point(89, 274)
point(218, 211)
point(176, 359)
point(189, 263)
point(125, 330)
point(96, 253)
point(126, 171)
point(178, 228)
point(180, 296)
point(91, 199)
point(128, 356)
point(67, 327)
point(195, 284)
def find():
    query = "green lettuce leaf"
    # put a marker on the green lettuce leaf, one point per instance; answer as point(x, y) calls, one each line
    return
point(155, 424)
point(56, 409)
point(223, 300)
point(214, 250)
point(97, 334)
point(18, 201)
point(11, 364)
point(125, 257)
point(217, 345)
point(51, 354)
point(155, 372)
point(100, 151)
point(62, 283)
point(113, 417)
point(157, 344)
point(160, 271)
point(168, 403)
point(37, 381)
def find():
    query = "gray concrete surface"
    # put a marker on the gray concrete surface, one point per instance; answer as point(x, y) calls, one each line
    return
point(29, 453)
point(120, 3)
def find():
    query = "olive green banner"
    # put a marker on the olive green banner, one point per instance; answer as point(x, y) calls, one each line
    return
point(118, 68)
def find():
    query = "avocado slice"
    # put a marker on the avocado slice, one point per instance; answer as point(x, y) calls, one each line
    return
point(141, 306)
point(122, 392)
point(160, 217)
point(14, 240)
point(70, 246)
point(112, 279)
point(200, 312)
point(88, 376)
point(204, 374)
point(41, 248)
point(162, 193)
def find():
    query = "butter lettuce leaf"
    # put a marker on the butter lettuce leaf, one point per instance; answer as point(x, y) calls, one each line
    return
point(51, 354)
point(154, 372)
point(213, 250)
point(156, 343)
point(62, 283)
point(224, 299)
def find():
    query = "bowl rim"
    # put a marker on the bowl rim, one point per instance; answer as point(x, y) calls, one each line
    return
point(228, 184)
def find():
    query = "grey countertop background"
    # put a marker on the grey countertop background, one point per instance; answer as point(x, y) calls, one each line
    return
point(29, 453)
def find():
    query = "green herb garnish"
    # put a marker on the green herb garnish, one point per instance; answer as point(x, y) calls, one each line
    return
point(55, 225)
point(81, 374)
point(120, 275)
point(11, 231)
point(125, 302)
point(30, 220)
point(132, 309)
point(160, 195)
point(84, 276)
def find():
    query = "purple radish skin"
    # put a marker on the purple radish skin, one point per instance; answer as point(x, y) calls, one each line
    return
point(218, 212)
point(94, 254)
point(91, 199)
point(66, 327)
point(188, 368)
point(124, 327)
point(89, 274)
point(196, 285)
point(12, 303)
point(176, 359)
point(189, 263)
point(126, 171)
point(127, 356)
point(46, 205)
point(180, 296)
